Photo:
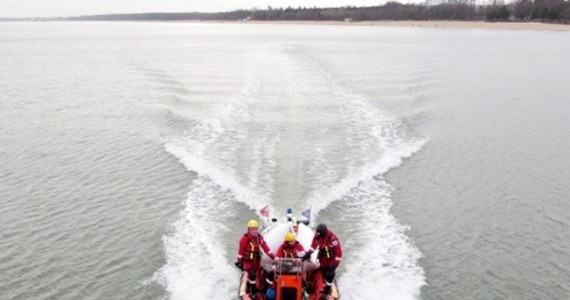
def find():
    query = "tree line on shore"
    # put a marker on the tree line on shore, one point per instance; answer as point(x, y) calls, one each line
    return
point(521, 10)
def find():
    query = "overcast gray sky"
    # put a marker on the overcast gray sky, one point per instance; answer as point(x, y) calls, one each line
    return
point(54, 8)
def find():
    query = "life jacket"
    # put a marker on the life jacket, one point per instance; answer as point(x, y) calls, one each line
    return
point(251, 251)
point(325, 246)
point(290, 251)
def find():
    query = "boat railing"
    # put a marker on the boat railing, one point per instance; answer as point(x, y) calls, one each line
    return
point(292, 266)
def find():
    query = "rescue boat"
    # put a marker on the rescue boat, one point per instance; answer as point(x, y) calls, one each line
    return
point(291, 277)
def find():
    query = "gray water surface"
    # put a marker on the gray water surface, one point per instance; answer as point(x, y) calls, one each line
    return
point(133, 154)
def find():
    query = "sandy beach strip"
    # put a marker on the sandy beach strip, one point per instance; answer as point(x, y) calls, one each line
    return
point(424, 24)
point(471, 24)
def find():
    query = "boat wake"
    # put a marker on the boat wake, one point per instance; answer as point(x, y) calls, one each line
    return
point(339, 166)
point(196, 261)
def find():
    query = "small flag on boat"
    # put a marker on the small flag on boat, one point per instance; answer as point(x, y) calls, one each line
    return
point(307, 214)
point(264, 212)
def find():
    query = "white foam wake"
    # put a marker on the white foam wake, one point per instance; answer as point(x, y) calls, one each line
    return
point(378, 143)
point(393, 158)
point(222, 177)
point(383, 263)
point(196, 265)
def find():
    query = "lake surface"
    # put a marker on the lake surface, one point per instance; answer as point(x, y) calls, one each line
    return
point(133, 154)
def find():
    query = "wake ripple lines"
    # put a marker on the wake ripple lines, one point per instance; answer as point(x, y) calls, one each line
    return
point(381, 262)
point(294, 134)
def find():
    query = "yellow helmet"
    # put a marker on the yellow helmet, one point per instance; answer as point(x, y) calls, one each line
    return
point(252, 224)
point(289, 237)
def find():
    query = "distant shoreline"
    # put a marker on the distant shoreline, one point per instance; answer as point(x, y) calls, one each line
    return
point(536, 26)
point(419, 24)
